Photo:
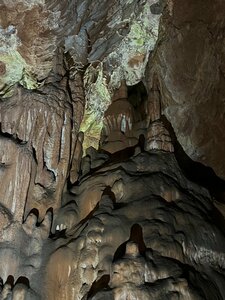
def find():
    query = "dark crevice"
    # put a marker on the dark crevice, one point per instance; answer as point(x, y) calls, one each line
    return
point(195, 171)
point(34, 155)
point(12, 137)
point(141, 142)
point(137, 94)
point(69, 203)
point(120, 205)
point(120, 252)
point(117, 157)
point(58, 235)
point(50, 209)
point(198, 281)
point(45, 168)
point(218, 219)
point(10, 280)
point(99, 285)
point(136, 235)
point(108, 192)
point(7, 212)
point(33, 211)
point(23, 280)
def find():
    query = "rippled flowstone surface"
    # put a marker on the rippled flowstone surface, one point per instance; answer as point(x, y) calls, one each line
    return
point(133, 227)
point(104, 105)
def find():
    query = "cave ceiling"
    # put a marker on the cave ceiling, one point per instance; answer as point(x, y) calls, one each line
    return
point(182, 42)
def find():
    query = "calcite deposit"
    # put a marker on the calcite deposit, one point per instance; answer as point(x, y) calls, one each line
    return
point(111, 150)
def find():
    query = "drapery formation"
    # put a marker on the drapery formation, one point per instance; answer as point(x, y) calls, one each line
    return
point(111, 150)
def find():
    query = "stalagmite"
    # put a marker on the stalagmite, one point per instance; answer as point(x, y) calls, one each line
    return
point(111, 150)
point(157, 136)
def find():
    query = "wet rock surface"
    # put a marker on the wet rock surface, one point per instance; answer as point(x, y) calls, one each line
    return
point(190, 61)
point(152, 238)
point(132, 228)
point(183, 44)
point(111, 121)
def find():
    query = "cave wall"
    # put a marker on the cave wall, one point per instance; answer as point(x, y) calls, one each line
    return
point(111, 150)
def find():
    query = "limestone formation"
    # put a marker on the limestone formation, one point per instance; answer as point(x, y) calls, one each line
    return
point(76, 159)
point(118, 122)
point(158, 137)
point(111, 150)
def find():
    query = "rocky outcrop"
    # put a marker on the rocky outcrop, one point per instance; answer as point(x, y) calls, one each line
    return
point(189, 61)
point(114, 42)
point(131, 233)
point(132, 216)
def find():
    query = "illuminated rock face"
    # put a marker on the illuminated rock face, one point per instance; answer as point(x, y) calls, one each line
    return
point(193, 89)
point(132, 216)
point(132, 228)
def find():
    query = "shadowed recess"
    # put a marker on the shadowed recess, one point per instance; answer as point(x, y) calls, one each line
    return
point(10, 280)
point(99, 285)
point(24, 280)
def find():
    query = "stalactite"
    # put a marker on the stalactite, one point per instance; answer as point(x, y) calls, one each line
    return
point(133, 217)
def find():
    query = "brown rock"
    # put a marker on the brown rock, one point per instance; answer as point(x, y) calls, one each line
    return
point(77, 157)
point(158, 138)
point(130, 223)
point(190, 62)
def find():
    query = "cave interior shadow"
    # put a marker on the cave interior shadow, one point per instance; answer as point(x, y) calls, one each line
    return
point(200, 174)
point(196, 171)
